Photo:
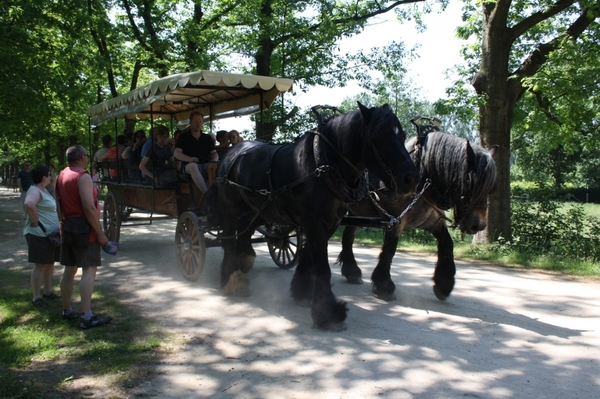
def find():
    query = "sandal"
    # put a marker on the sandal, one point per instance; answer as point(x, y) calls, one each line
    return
point(38, 302)
point(51, 295)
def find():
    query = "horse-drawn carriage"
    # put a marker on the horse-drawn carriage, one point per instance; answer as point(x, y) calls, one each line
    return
point(309, 185)
point(171, 99)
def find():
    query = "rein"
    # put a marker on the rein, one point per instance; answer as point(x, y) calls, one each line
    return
point(272, 194)
point(395, 220)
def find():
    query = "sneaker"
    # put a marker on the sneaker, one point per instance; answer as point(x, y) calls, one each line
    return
point(95, 321)
point(38, 302)
point(70, 316)
point(51, 295)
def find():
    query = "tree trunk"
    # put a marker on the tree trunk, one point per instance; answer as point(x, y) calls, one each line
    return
point(495, 113)
point(495, 117)
point(265, 127)
point(500, 90)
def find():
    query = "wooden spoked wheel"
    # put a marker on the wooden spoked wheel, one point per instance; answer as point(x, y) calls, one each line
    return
point(111, 216)
point(284, 244)
point(190, 246)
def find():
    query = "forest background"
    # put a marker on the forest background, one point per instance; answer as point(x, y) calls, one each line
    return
point(528, 80)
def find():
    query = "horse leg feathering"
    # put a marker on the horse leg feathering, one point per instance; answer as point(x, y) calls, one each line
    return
point(237, 285)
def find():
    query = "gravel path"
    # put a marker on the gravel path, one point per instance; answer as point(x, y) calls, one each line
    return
point(504, 333)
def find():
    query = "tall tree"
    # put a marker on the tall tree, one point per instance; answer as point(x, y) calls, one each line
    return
point(558, 119)
point(295, 39)
point(516, 39)
point(43, 78)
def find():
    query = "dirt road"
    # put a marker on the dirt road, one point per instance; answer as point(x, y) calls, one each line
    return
point(502, 334)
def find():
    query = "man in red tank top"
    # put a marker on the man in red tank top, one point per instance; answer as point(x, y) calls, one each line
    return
point(76, 195)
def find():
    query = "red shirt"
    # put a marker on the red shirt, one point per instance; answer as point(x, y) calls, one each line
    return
point(70, 201)
point(112, 157)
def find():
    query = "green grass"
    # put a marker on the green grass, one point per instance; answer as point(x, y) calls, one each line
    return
point(500, 256)
point(32, 337)
point(422, 241)
point(592, 210)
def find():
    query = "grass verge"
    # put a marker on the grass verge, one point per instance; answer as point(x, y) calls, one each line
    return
point(42, 354)
point(422, 241)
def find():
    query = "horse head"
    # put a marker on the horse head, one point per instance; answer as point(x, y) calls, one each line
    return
point(478, 181)
point(383, 149)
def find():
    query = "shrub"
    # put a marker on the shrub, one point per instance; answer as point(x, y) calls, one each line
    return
point(545, 226)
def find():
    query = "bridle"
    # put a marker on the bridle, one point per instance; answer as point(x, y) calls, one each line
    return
point(333, 177)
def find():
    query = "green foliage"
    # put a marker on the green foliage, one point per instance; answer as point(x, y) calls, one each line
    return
point(61, 59)
point(547, 234)
point(544, 226)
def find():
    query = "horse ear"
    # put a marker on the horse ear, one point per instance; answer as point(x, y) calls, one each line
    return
point(365, 113)
point(493, 150)
point(471, 158)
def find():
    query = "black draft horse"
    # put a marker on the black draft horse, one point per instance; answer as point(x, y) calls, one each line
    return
point(308, 183)
point(462, 175)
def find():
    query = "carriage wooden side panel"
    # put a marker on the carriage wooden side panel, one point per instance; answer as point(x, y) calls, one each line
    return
point(170, 201)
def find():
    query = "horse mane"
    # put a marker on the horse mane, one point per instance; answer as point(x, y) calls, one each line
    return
point(383, 118)
point(380, 119)
point(443, 158)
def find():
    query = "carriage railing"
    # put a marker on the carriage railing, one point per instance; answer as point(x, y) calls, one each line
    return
point(123, 172)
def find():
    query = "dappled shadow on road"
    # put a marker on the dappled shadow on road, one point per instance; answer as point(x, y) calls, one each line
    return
point(501, 334)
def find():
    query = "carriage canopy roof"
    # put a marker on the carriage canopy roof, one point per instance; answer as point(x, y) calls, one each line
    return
point(216, 94)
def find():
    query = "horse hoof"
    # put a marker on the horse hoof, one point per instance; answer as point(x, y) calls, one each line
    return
point(439, 294)
point(354, 280)
point(385, 296)
point(332, 327)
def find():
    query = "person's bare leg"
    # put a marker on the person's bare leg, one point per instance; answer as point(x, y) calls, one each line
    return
point(48, 275)
point(86, 287)
point(37, 276)
point(67, 283)
point(192, 169)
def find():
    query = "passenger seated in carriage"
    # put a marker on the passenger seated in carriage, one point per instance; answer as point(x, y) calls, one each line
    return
point(196, 149)
point(101, 155)
point(112, 154)
point(234, 137)
point(223, 140)
point(132, 154)
point(158, 160)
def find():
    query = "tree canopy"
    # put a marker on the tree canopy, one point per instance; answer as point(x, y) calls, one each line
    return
point(62, 57)
point(522, 49)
